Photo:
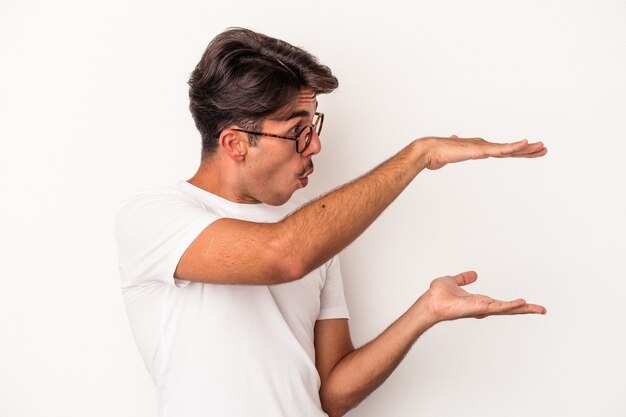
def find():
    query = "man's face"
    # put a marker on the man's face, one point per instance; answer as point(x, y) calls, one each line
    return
point(275, 169)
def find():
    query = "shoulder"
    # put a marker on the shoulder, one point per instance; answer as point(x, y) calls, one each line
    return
point(156, 200)
point(157, 208)
point(161, 197)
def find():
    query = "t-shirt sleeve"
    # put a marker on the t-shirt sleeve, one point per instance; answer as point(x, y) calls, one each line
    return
point(332, 300)
point(153, 230)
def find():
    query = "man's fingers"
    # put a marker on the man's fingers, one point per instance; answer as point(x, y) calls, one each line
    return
point(515, 149)
point(506, 149)
point(530, 309)
point(537, 154)
point(518, 306)
point(532, 150)
point(465, 278)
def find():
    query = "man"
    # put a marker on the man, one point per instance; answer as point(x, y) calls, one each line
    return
point(234, 293)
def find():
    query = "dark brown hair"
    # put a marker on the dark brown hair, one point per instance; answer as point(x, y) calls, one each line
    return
point(245, 76)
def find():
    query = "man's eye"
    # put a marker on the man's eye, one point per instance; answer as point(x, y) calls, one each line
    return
point(295, 129)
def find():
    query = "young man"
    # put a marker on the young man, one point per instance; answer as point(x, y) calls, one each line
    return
point(234, 293)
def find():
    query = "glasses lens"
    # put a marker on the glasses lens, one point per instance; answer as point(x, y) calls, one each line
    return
point(304, 139)
point(318, 121)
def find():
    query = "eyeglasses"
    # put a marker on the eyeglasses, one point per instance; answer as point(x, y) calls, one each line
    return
point(303, 138)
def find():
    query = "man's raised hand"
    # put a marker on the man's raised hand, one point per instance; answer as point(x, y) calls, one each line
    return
point(443, 151)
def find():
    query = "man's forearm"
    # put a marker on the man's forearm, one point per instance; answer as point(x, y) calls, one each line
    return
point(327, 225)
point(324, 227)
point(354, 376)
point(361, 371)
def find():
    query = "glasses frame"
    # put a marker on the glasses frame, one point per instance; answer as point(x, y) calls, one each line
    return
point(319, 120)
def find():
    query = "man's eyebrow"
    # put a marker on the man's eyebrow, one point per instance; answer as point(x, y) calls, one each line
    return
point(299, 113)
point(295, 114)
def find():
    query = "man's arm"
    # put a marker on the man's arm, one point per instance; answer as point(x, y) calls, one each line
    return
point(233, 251)
point(348, 375)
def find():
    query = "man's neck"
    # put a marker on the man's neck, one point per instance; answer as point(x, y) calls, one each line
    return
point(215, 177)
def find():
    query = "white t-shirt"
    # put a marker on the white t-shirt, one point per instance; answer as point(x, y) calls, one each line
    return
point(219, 350)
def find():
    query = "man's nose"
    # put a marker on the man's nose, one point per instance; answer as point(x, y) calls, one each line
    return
point(315, 146)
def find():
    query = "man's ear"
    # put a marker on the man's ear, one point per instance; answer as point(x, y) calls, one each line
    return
point(235, 144)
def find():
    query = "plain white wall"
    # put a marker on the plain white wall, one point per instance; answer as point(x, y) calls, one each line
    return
point(93, 107)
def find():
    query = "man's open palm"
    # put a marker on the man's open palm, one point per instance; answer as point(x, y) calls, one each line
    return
point(448, 301)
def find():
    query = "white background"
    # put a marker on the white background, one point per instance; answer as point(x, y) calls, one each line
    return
point(93, 107)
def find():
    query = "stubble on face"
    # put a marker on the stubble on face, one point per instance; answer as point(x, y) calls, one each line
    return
point(307, 168)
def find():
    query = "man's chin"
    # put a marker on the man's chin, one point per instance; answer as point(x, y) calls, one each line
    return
point(278, 200)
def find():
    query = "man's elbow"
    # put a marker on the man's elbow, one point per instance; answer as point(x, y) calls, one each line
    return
point(287, 265)
point(336, 404)
point(288, 269)
point(334, 409)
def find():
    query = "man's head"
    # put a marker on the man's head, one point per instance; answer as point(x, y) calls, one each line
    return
point(244, 77)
